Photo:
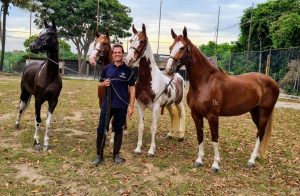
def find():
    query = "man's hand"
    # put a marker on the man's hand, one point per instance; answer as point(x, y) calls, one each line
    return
point(130, 111)
point(105, 83)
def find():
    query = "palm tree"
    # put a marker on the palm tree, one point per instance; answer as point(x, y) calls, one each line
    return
point(25, 4)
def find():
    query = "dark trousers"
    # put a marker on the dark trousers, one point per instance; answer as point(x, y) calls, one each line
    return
point(118, 123)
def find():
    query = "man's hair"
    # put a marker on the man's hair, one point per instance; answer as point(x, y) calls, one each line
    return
point(118, 46)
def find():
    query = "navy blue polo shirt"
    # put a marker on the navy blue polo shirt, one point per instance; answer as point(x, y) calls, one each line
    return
point(121, 77)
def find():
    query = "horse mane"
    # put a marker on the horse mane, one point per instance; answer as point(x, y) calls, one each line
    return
point(205, 59)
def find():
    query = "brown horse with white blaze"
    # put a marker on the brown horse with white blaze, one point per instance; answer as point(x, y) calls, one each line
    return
point(101, 55)
point(213, 93)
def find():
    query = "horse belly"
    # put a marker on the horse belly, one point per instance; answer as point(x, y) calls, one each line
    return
point(234, 108)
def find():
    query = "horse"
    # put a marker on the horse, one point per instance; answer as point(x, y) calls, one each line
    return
point(43, 81)
point(154, 90)
point(101, 56)
point(213, 93)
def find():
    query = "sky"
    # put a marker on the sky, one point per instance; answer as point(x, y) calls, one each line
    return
point(199, 16)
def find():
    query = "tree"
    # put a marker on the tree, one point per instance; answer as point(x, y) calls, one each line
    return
point(264, 17)
point(4, 9)
point(76, 21)
point(286, 30)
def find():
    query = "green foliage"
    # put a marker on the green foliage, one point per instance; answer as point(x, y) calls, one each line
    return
point(286, 30)
point(267, 21)
point(76, 17)
point(223, 52)
point(14, 61)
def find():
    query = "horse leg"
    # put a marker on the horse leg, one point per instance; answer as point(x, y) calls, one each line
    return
point(255, 117)
point(36, 137)
point(264, 116)
point(52, 105)
point(173, 127)
point(181, 113)
point(24, 101)
point(141, 113)
point(155, 116)
point(198, 120)
point(213, 121)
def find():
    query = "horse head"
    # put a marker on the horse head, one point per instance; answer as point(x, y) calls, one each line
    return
point(138, 45)
point(179, 52)
point(102, 48)
point(46, 41)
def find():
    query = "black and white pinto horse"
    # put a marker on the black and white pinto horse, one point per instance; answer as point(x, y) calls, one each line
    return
point(155, 90)
point(43, 81)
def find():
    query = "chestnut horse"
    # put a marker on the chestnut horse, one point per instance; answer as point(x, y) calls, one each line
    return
point(43, 81)
point(213, 93)
point(101, 56)
point(155, 90)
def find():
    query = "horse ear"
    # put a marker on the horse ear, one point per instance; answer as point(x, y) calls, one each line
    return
point(53, 24)
point(144, 28)
point(45, 23)
point(173, 34)
point(134, 30)
point(97, 34)
point(107, 32)
point(184, 32)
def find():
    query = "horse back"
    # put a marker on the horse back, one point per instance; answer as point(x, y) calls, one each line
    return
point(242, 93)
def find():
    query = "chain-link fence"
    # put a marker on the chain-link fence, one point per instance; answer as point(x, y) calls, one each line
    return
point(284, 65)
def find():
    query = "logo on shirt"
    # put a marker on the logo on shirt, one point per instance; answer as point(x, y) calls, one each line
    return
point(122, 75)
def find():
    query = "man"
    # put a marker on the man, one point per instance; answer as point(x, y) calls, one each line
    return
point(119, 78)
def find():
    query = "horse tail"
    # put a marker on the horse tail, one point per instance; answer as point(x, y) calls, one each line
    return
point(266, 138)
point(25, 97)
point(175, 119)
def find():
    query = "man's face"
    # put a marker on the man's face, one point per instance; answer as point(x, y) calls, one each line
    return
point(117, 54)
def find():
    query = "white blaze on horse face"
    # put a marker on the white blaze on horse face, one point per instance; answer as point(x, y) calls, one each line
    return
point(134, 44)
point(174, 51)
point(93, 56)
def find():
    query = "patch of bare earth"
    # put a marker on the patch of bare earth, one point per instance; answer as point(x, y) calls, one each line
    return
point(4, 117)
point(31, 174)
point(71, 132)
point(77, 116)
point(152, 172)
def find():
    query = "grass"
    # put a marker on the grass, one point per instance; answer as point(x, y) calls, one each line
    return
point(66, 168)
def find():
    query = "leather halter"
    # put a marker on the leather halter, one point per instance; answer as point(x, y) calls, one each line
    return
point(142, 52)
point(179, 61)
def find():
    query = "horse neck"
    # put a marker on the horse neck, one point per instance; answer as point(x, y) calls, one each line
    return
point(53, 63)
point(199, 68)
point(149, 55)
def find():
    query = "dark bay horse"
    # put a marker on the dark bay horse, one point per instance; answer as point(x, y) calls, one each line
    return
point(101, 56)
point(213, 93)
point(43, 81)
point(155, 90)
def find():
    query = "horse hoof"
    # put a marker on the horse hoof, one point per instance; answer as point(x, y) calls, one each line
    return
point(250, 165)
point(198, 164)
point(180, 139)
point(137, 152)
point(37, 147)
point(169, 137)
point(214, 170)
point(17, 126)
point(150, 155)
point(46, 148)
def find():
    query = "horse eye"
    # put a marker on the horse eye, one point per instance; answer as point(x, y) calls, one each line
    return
point(181, 48)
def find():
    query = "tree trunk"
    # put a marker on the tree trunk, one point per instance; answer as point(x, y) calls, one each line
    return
point(5, 11)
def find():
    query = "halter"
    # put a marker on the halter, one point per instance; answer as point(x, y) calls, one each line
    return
point(178, 61)
point(140, 53)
